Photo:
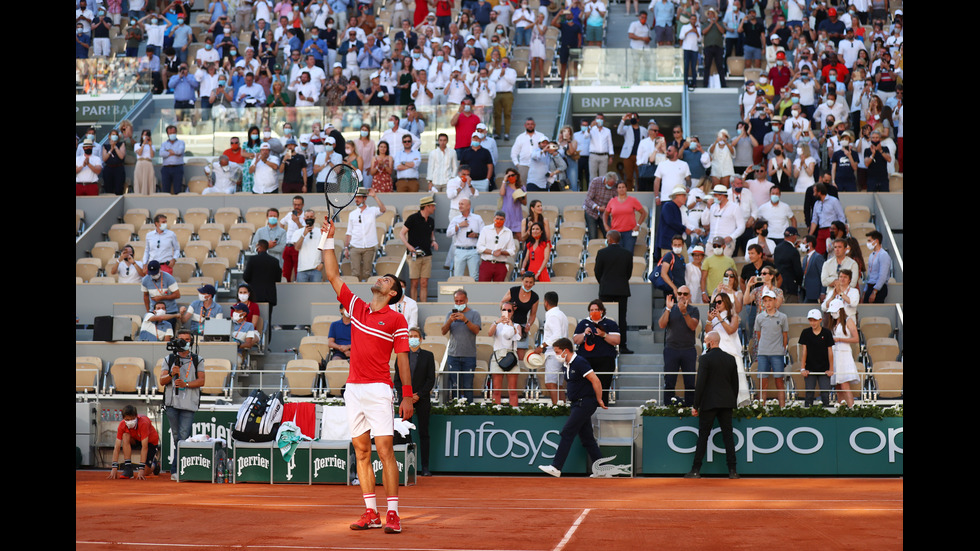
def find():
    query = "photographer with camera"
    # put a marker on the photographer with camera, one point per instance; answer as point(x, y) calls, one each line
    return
point(182, 379)
point(128, 269)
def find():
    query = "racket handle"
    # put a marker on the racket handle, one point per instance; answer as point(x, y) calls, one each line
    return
point(326, 243)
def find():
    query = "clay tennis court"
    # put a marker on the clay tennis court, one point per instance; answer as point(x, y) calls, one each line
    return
point(496, 513)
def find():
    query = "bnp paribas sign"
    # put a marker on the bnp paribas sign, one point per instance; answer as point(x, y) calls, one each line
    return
point(612, 101)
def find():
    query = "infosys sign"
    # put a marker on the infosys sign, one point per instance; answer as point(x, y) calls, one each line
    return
point(463, 443)
point(780, 446)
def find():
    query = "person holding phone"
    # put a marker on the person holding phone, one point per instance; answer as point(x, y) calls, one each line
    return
point(679, 320)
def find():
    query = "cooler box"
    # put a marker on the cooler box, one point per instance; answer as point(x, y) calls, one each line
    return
point(406, 456)
point(253, 461)
point(195, 461)
point(332, 462)
point(296, 470)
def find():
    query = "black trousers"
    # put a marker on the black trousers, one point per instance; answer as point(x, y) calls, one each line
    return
point(706, 420)
point(621, 301)
point(579, 423)
point(422, 412)
point(716, 55)
point(604, 367)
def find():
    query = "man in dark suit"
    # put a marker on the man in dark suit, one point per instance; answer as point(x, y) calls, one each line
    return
point(786, 258)
point(715, 395)
point(812, 289)
point(613, 268)
point(423, 366)
point(262, 272)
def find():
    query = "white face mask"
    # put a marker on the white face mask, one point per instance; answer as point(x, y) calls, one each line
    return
point(130, 423)
point(163, 225)
point(243, 297)
point(717, 251)
point(678, 250)
point(202, 297)
point(871, 245)
point(237, 316)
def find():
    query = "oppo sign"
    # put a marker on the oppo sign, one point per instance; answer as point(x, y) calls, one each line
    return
point(800, 440)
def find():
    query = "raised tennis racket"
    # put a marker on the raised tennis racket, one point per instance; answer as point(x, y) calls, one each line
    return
point(340, 187)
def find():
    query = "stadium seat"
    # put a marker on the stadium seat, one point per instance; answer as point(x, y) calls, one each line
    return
point(565, 266)
point(184, 269)
point(227, 216)
point(883, 350)
point(896, 182)
point(639, 266)
point(241, 231)
point(183, 231)
point(860, 231)
point(876, 327)
point(569, 248)
point(321, 325)
point(87, 268)
point(139, 247)
point(433, 326)
point(217, 377)
point(314, 348)
point(136, 217)
point(573, 231)
point(172, 214)
point(437, 345)
point(121, 233)
point(736, 66)
point(197, 217)
point(88, 372)
point(197, 184)
point(889, 379)
point(857, 214)
point(127, 375)
point(301, 378)
point(105, 251)
point(215, 267)
point(198, 250)
point(573, 213)
point(336, 374)
point(210, 232)
point(230, 250)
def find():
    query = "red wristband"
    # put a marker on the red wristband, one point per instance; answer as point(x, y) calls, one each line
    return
point(407, 391)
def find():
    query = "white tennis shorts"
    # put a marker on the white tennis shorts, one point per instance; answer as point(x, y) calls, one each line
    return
point(370, 407)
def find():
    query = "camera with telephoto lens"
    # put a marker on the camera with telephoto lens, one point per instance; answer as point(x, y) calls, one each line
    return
point(178, 345)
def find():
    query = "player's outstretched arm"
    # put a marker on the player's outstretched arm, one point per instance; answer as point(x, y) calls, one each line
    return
point(329, 255)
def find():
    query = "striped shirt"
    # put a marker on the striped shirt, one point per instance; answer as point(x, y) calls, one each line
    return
point(373, 336)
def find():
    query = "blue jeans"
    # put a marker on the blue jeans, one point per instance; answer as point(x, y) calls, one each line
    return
point(462, 383)
point(181, 422)
point(627, 240)
point(690, 67)
point(522, 36)
point(467, 259)
point(572, 173)
point(309, 276)
point(771, 364)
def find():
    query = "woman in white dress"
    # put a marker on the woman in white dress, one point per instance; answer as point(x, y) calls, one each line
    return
point(538, 52)
point(803, 168)
point(144, 179)
point(506, 335)
point(723, 320)
point(845, 377)
point(722, 159)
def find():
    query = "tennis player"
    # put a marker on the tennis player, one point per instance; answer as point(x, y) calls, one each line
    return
point(376, 329)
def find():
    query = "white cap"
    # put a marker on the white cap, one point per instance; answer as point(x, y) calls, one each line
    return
point(814, 315)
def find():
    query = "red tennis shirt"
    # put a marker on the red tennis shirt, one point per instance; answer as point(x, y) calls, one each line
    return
point(373, 335)
point(144, 429)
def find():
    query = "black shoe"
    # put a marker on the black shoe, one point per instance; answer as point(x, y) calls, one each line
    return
point(506, 137)
point(733, 475)
point(693, 474)
point(425, 472)
point(624, 350)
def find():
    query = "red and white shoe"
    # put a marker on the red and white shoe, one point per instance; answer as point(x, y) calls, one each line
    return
point(370, 519)
point(393, 524)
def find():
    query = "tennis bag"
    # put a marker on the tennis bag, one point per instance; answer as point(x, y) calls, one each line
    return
point(259, 417)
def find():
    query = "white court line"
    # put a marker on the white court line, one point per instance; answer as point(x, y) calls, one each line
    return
point(485, 508)
point(574, 527)
point(314, 547)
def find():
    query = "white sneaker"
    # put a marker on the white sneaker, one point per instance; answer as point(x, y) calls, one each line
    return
point(550, 470)
point(173, 477)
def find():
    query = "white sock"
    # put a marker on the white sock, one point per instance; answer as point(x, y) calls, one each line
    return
point(393, 504)
point(371, 502)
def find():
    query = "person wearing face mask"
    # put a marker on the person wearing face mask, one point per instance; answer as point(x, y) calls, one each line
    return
point(161, 245)
point(879, 269)
point(672, 220)
point(671, 270)
point(779, 74)
point(135, 428)
point(816, 359)
point(462, 325)
point(497, 248)
point(877, 157)
point(600, 146)
point(597, 337)
point(172, 169)
point(844, 163)
point(585, 395)
point(715, 267)
point(464, 120)
point(423, 368)
point(601, 190)
point(202, 309)
point(157, 325)
point(245, 297)
point(263, 271)
point(273, 234)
